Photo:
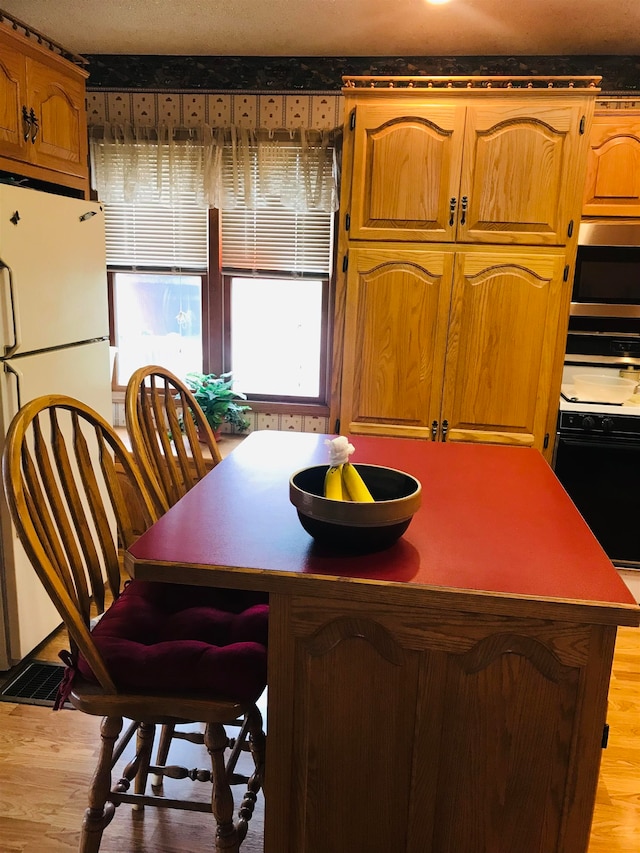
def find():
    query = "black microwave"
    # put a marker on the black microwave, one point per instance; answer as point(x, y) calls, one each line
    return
point(606, 282)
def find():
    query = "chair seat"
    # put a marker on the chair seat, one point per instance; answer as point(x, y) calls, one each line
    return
point(170, 638)
point(152, 707)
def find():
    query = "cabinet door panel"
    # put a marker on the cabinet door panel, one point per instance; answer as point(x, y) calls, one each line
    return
point(468, 732)
point(59, 106)
point(612, 187)
point(395, 333)
point(519, 175)
point(501, 346)
point(406, 170)
point(12, 99)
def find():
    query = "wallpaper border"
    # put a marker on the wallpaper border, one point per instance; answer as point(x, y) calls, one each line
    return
point(620, 74)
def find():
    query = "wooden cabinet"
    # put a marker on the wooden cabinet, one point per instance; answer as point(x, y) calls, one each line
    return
point(459, 215)
point(467, 731)
point(43, 125)
point(612, 186)
point(447, 344)
point(501, 172)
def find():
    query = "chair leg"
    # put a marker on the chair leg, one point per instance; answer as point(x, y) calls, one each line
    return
point(100, 811)
point(257, 745)
point(166, 735)
point(226, 841)
point(144, 745)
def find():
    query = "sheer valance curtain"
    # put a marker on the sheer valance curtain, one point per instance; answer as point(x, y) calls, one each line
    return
point(218, 167)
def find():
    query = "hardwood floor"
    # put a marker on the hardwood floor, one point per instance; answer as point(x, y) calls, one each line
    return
point(616, 821)
point(46, 762)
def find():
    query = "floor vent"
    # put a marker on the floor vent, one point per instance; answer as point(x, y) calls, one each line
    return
point(36, 684)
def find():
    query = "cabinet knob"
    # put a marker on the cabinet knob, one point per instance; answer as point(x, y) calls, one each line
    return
point(35, 127)
point(452, 210)
point(464, 205)
point(445, 429)
point(434, 430)
point(26, 124)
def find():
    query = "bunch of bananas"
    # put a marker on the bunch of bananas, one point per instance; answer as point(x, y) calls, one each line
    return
point(342, 481)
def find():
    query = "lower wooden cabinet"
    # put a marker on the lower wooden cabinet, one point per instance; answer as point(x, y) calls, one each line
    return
point(452, 344)
point(411, 729)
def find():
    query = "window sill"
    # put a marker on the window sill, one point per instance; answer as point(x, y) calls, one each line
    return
point(300, 417)
point(320, 410)
point(317, 409)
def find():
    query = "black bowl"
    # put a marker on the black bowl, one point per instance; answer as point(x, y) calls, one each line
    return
point(352, 525)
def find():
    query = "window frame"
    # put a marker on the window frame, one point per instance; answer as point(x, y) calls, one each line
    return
point(216, 322)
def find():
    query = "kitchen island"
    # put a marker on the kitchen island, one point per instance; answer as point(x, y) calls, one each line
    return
point(447, 694)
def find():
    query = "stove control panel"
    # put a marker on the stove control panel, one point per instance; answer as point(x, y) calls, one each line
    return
point(589, 423)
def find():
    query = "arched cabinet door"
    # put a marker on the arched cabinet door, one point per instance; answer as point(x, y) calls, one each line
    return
point(12, 94)
point(506, 307)
point(522, 172)
point(612, 186)
point(396, 314)
point(60, 141)
point(406, 170)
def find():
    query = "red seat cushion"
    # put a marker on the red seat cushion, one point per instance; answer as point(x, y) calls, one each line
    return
point(177, 638)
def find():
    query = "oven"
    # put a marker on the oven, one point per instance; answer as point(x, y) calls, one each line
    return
point(597, 460)
point(597, 449)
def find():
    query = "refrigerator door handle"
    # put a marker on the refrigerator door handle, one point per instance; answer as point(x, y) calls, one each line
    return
point(9, 369)
point(11, 348)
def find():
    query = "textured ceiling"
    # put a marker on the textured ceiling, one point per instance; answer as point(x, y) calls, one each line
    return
point(337, 27)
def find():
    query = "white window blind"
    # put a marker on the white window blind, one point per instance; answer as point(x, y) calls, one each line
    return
point(276, 240)
point(165, 227)
point(271, 236)
point(262, 229)
point(148, 235)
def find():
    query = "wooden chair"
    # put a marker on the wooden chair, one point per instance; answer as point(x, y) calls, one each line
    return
point(170, 436)
point(65, 497)
point(159, 408)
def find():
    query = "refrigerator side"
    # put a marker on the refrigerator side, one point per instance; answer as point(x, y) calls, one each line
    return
point(80, 371)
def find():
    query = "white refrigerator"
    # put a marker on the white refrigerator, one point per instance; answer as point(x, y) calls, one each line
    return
point(54, 339)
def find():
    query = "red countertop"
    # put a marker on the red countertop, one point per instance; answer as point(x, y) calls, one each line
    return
point(493, 519)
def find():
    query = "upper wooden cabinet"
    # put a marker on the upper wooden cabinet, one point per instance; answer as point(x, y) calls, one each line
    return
point(612, 186)
point(43, 124)
point(500, 171)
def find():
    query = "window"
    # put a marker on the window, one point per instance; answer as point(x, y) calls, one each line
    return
point(276, 263)
point(245, 290)
point(276, 336)
point(158, 320)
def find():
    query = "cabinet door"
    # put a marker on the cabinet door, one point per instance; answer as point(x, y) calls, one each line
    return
point(406, 171)
point(522, 163)
point(405, 729)
point(503, 334)
point(612, 187)
point(58, 102)
point(394, 342)
point(12, 99)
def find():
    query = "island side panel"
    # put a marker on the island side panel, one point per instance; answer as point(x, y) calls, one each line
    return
point(410, 729)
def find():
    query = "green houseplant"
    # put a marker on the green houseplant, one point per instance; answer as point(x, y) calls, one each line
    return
point(217, 399)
